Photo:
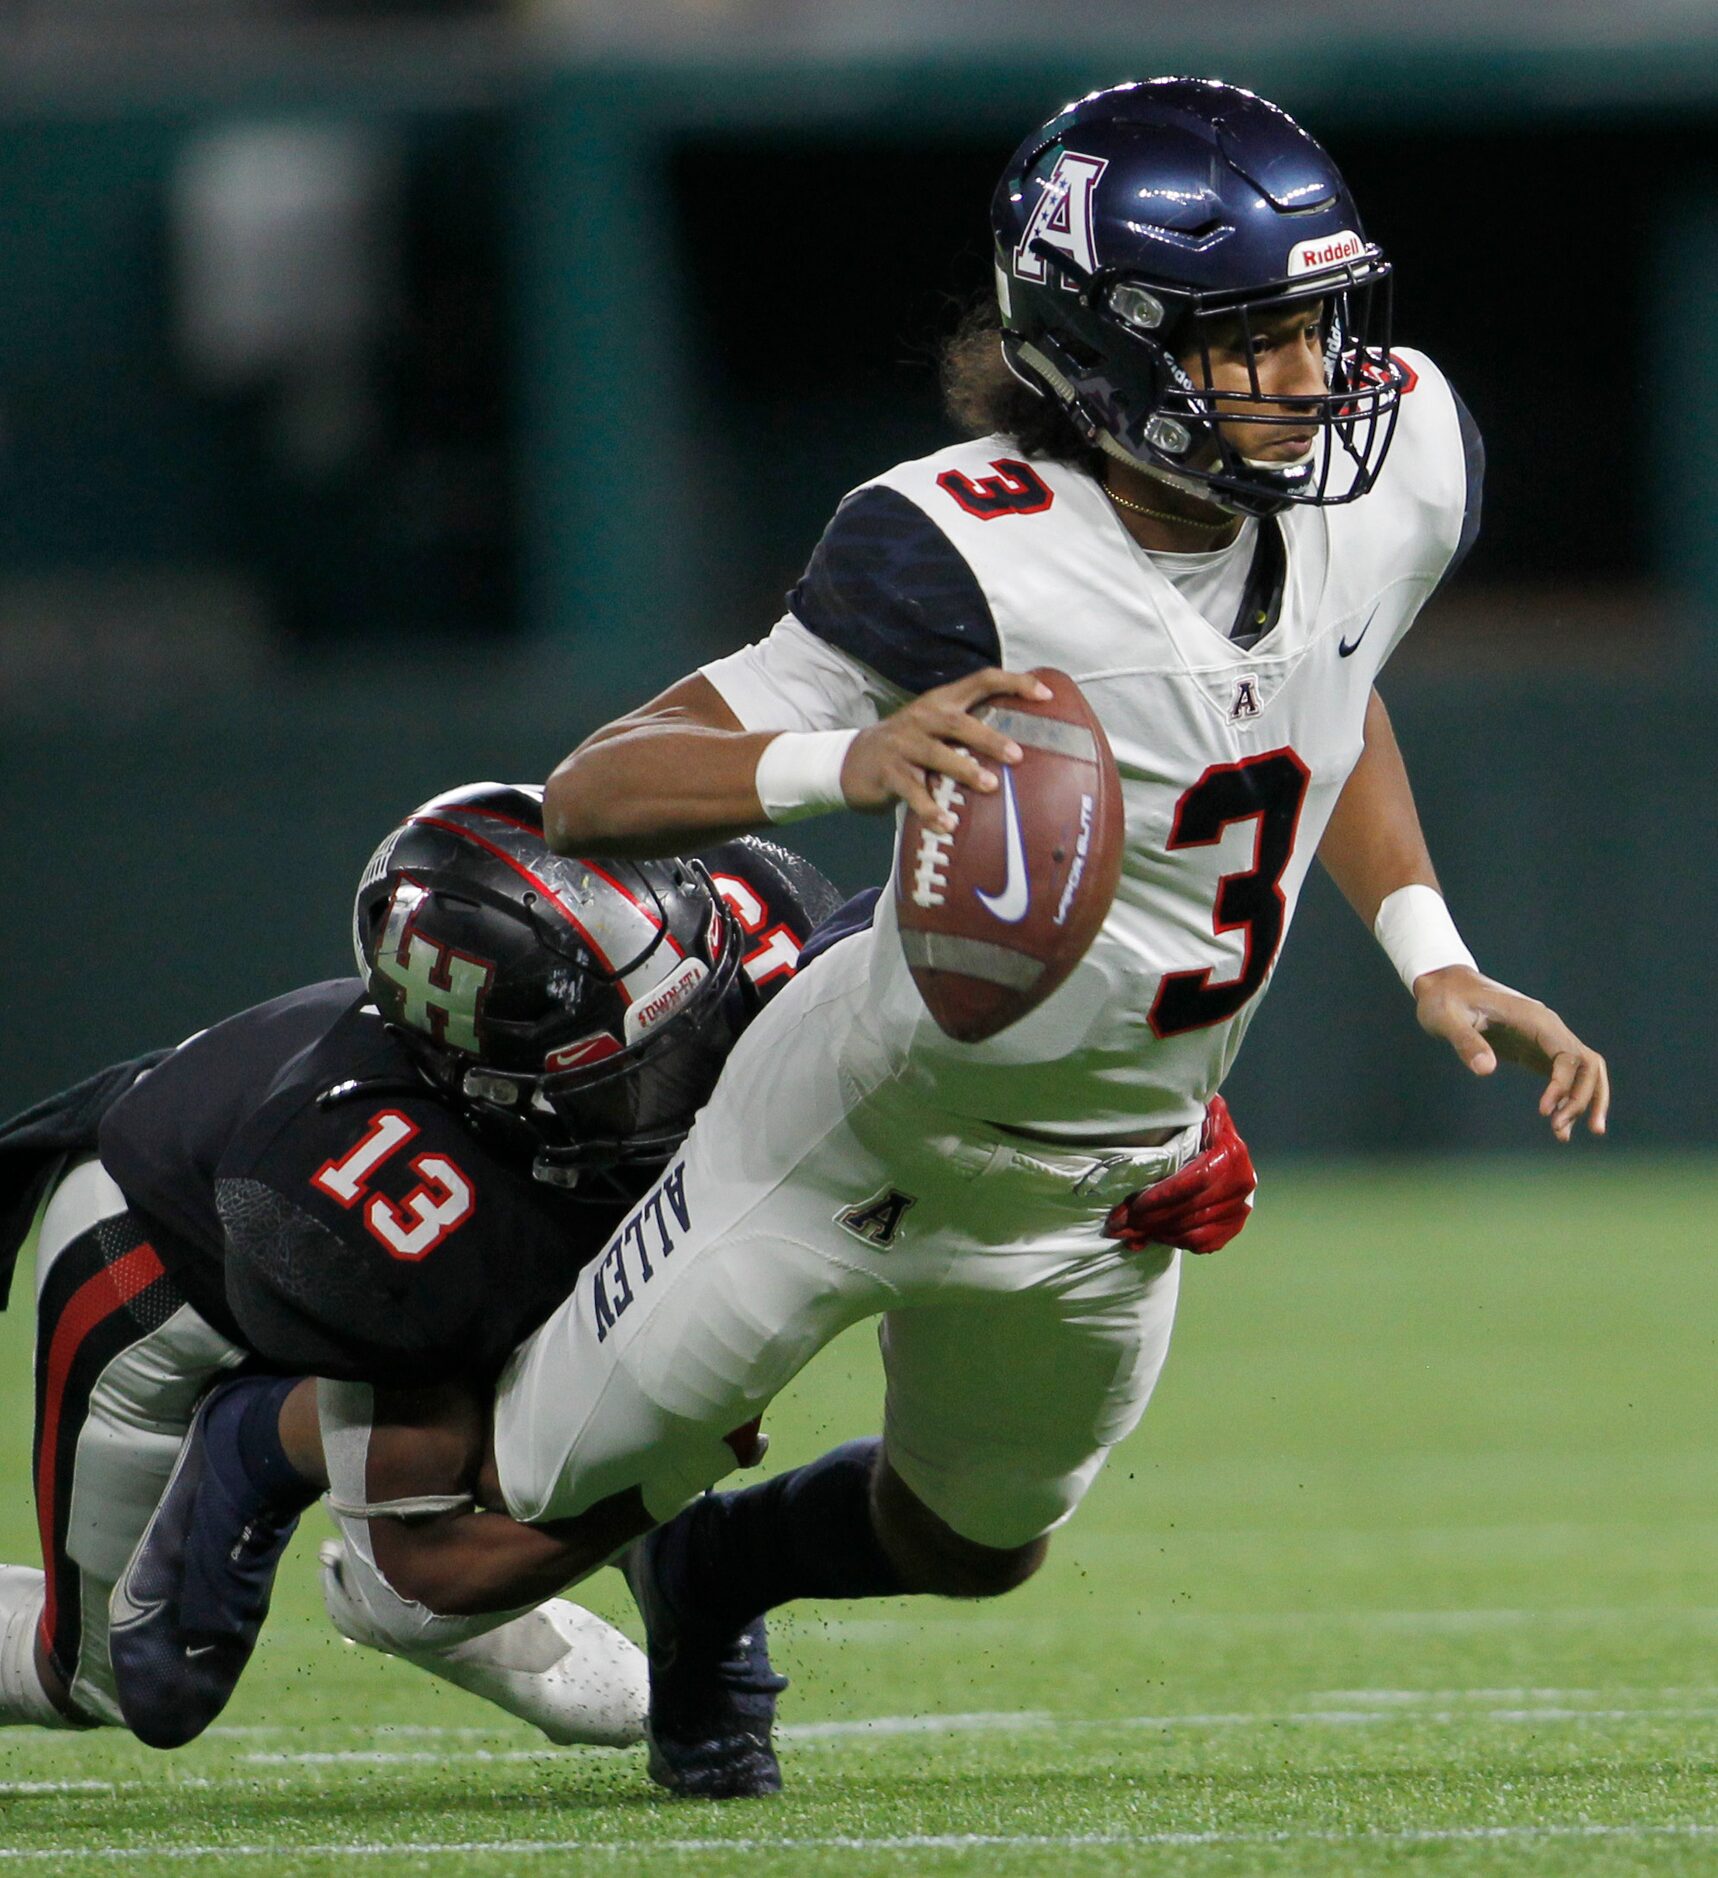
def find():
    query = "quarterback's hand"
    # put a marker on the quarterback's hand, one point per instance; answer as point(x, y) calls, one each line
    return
point(1202, 1207)
point(1482, 1020)
point(898, 759)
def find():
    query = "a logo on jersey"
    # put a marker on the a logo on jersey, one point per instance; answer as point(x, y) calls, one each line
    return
point(1063, 219)
point(441, 989)
point(1245, 702)
point(878, 1220)
point(1011, 903)
point(1313, 257)
point(1346, 647)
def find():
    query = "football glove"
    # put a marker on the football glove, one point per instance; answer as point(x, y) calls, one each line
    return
point(1202, 1207)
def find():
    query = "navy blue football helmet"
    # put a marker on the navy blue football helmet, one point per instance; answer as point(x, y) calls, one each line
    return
point(1143, 223)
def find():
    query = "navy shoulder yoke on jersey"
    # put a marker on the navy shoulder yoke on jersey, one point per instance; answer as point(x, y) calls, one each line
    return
point(367, 1235)
point(886, 586)
point(1473, 458)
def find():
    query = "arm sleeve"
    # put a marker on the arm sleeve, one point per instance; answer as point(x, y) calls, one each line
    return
point(887, 587)
point(795, 681)
point(887, 608)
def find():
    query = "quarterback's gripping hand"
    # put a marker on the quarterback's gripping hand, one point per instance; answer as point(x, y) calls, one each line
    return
point(1202, 1207)
point(935, 735)
point(1482, 1020)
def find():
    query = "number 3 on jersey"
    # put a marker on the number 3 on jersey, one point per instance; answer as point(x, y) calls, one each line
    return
point(442, 1201)
point(1268, 790)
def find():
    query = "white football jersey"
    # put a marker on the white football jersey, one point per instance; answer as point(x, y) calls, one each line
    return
point(1231, 759)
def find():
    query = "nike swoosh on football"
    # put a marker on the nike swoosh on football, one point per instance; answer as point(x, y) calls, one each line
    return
point(1011, 903)
point(1343, 648)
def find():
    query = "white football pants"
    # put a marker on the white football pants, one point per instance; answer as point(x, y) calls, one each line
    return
point(1019, 1344)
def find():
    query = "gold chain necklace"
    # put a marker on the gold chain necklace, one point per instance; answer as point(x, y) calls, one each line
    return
point(1164, 515)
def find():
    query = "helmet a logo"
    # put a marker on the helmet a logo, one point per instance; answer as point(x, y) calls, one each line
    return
point(441, 990)
point(1063, 219)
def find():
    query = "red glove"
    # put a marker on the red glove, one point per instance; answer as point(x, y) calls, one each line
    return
point(1202, 1207)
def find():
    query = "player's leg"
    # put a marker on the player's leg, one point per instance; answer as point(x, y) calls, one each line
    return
point(986, 1472)
point(1002, 1408)
point(186, 1614)
point(121, 1359)
point(1003, 1401)
point(729, 1277)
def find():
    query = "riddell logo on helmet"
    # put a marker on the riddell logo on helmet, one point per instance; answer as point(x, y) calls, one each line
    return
point(1312, 257)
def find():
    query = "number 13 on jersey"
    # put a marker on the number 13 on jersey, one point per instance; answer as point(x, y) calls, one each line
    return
point(410, 1228)
point(1268, 791)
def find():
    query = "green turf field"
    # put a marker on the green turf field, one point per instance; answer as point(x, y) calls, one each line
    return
point(1411, 1568)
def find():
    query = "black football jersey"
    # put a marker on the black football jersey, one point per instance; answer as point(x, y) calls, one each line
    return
point(325, 1207)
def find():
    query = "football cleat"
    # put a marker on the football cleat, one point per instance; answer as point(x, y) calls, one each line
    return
point(558, 1667)
point(712, 1706)
point(188, 1608)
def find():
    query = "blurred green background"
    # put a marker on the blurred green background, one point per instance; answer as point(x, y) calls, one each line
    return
point(387, 397)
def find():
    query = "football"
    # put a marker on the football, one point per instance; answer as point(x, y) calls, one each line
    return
point(995, 913)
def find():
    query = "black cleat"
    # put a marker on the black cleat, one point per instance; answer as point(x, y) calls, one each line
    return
point(186, 1612)
point(712, 1705)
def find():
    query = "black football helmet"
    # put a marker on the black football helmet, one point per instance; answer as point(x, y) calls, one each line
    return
point(1139, 217)
point(580, 1010)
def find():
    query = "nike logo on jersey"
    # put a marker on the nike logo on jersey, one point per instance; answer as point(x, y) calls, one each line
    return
point(1011, 903)
point(1344, 648)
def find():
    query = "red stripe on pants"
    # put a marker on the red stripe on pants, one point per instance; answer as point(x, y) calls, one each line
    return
point(95, 1300)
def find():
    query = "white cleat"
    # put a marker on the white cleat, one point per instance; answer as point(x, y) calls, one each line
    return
point(559, 1667)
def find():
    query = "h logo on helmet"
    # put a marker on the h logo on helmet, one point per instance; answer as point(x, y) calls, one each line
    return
point(442, 989)
point(1063, 218)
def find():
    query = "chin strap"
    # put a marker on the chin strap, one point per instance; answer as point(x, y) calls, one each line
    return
point(1029, 362)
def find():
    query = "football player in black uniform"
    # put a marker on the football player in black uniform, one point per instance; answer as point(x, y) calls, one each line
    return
point(386, 1183)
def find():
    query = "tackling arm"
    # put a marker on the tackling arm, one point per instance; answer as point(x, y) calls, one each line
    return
point(1373, 847)
point(414, 1468)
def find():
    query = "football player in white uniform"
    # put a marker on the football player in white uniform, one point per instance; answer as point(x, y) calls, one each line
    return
point(1209, 488)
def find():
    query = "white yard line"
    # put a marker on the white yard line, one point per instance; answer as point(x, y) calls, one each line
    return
point(885, 1629)
point(902, 1842)
point(10, 1787)
point(432, 1731)
point(878, 1727)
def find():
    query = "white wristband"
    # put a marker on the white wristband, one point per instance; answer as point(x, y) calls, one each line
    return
point(1418, 936)
point(799, 773)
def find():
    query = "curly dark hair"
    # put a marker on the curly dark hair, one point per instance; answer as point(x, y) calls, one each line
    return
point(982, 395)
